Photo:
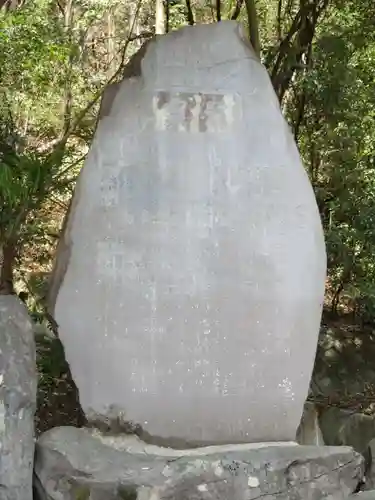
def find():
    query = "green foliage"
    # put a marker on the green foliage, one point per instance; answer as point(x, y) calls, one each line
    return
point(48, 101)
point(336, 140)
point(50, 367)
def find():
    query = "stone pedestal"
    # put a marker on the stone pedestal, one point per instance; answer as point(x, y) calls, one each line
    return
point(72, 464)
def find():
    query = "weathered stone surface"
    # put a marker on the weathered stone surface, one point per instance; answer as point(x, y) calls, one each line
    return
point(369, 456)
point(363, 495)
point(190, 276)
point(309, 432)
point(72, 464)
point(18, 382)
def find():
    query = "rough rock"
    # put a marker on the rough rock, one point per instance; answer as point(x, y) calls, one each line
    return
point(369, 455)
point(18, 383)
point(72, 464)
point(308, 432)
point(192, 256)
point(344, 362)
point(343, 427)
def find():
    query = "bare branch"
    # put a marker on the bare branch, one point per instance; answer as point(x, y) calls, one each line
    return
point(167, 16)
point(61, 142)
point(301, 104)
point(279, 19)
point(68, 95)
point(295, 49)
point(61, 8)
point(218, 10)
point(285, 44)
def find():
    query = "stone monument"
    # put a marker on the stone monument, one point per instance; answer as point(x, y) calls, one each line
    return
point(189, 278)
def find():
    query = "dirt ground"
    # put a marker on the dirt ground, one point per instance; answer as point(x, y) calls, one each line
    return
point(57, 399)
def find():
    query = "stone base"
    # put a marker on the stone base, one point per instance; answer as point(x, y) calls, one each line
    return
point(76, 464)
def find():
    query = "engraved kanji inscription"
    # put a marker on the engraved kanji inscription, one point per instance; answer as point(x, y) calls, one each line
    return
point(195, 113)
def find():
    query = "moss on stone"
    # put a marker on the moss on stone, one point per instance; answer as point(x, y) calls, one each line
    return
point(81, 493)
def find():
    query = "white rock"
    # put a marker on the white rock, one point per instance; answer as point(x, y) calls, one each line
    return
point(189, 281)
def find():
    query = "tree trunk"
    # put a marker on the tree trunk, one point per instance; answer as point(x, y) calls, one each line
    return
point(253, 25)
point(6, 269)
point(111, 49)
point(68, 95)
point(159, 17)
point(189, 13)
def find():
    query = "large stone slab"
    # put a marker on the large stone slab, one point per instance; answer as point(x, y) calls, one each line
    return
point(189, 279)
point(18, 383)
point(71, 464)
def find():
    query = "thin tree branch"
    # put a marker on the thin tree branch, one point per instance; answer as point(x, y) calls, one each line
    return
point(218, 10)
point(167, 16)
point(284, 45)
point(59, 203)
point(61, 9)
point(68, 95)
point(61, 143)
point(69, 167)
point(279, 19)
point(289, 7)
point(7, 267)
point(301, 47)
point(301, 104)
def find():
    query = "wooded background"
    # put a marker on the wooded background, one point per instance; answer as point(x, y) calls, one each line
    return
point(57, 56)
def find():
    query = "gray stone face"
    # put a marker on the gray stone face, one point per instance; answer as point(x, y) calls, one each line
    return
point(18, 383)
point(309, 432)
point(71, 464)
point(189, 280)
